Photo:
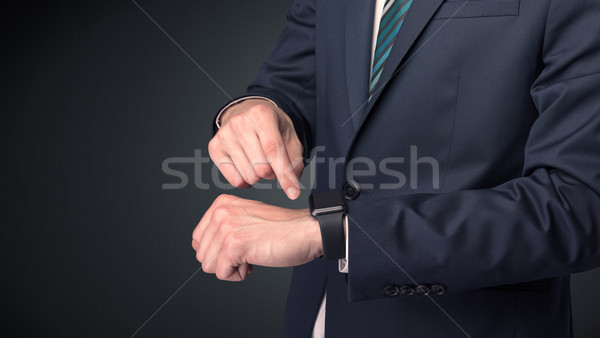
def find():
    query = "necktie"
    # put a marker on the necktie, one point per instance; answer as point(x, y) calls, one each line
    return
point(392, 17)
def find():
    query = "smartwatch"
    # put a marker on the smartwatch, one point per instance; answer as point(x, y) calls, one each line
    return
point(329, 209)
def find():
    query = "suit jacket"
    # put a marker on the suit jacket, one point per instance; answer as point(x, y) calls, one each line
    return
point(504, 96)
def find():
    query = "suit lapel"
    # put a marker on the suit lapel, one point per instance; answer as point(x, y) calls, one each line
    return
point(419, 14)
point(359, 32)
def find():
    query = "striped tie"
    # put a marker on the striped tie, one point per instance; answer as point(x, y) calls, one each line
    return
point(393, 15)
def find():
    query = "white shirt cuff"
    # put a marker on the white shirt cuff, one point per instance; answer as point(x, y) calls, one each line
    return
point(343, 263)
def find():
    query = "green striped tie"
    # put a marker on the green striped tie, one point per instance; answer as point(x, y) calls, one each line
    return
point(392, 17)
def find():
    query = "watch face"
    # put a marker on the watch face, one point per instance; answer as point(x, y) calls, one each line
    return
point(326, 202)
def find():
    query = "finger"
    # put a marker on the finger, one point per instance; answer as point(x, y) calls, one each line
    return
point(256, 156)
point(199, 230)
point(298, 167)
point(295, 151)
point(197, 234)
point(277, 155)
point(242, 163)
point(229, 273)
point(204, 245)
point(227, 167)
point(209, 262)
point(213, 250)
point(244, 270)
point(226, 270)
point(216, 218)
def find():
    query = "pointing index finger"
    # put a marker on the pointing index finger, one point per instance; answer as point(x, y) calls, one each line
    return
point(277, 155)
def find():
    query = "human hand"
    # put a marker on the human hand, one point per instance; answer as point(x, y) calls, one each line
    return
point(257, 140)
point(235, 233)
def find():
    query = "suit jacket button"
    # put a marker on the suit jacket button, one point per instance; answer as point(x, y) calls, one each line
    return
point(422, 290)
point(351, 190)
point(438, 289)
point(391, 290)
point(407, 290)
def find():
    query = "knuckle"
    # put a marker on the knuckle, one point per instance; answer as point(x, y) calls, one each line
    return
point(233, 247)
point(225, 228)
point(229, 251)
point(213, 145)
point(222, 274)
point(261, 110)
point(234, 179)
point(220, 214)
point(206, 268)
point(236, 121)
point(237, 182)
point(224, 134)
point(263, 170)
point(232, 243)
point(224, 199)
point(252, 178)
point(272, 147)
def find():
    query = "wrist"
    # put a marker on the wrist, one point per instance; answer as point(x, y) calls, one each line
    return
point(240, 106)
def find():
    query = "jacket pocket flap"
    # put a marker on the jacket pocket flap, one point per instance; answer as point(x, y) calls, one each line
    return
point(477, 8)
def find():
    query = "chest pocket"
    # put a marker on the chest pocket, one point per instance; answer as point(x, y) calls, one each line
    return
point(477, 8)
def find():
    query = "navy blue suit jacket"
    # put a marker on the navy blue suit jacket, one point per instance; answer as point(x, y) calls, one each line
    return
point(505, 96)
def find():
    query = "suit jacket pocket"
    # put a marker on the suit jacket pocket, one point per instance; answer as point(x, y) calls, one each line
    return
point(477, 8)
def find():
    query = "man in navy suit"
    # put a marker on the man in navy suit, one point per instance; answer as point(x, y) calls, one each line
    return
point(469, 164)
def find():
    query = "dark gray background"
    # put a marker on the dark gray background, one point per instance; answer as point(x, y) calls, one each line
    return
point(94, 98)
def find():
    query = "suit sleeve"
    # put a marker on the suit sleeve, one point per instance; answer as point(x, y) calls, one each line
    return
point(541, 225)
point(287, 77)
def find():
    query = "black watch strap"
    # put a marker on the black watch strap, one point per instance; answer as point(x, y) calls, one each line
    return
point(332, 235)
point(329, 208)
